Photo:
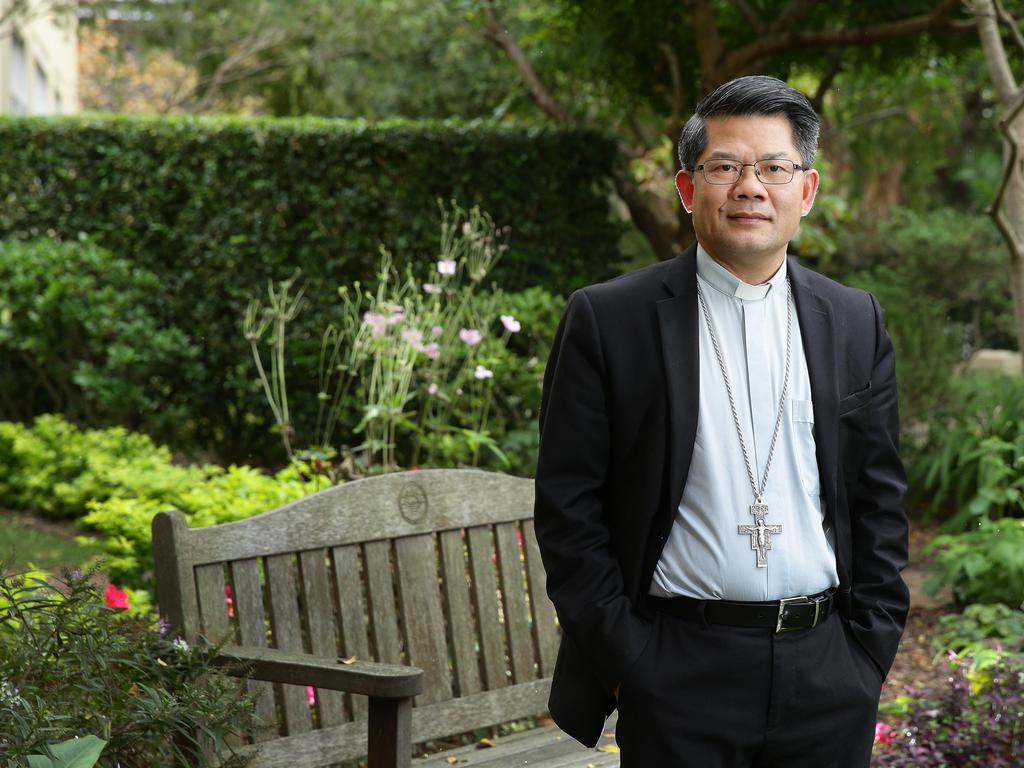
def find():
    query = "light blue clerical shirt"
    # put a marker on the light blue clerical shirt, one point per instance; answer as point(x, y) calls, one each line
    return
point(705, 556)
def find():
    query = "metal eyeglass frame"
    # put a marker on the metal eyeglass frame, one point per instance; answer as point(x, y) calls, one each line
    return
point(757, 173)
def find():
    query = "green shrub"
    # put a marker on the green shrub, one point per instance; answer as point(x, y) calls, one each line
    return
point(980, 625)
point(985, 565)
point(217, 208)
point(970, 463)
point(79, 335)
point(72, 667)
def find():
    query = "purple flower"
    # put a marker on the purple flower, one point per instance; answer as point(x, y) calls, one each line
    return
point(511, 324)
point(471, 336)
point(162, 626)
point(483, 373)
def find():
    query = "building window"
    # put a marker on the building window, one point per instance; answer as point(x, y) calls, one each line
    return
point(41, 102)
point(19, 78)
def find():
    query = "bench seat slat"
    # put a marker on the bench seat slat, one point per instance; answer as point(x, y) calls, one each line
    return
point(284, 618)
point(485, 592)
point(517, 618)
point(416, 558)
point(319, 604)
point(460, 613)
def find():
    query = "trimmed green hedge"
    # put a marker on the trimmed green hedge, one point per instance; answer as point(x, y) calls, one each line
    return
point(217, 207)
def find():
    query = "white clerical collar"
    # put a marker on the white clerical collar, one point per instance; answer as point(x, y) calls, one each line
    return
point(725, 281)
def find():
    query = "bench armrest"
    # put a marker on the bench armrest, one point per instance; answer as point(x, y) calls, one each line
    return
point(369, 678)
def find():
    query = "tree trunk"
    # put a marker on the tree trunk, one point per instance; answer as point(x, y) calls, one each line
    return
point(1008, 208)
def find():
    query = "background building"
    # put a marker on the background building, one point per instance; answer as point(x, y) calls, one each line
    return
point(38, 57)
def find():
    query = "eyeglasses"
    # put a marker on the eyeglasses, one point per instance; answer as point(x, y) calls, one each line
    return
point(767, 171)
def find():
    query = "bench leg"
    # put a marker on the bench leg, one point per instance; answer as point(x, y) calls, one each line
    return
point(390, 724)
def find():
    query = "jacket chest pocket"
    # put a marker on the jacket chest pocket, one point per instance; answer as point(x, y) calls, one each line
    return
point(801, 414)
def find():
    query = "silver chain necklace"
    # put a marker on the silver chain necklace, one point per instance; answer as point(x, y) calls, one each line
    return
point(760, 533)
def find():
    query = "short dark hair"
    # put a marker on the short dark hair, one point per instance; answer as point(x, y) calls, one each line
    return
point(754, 95)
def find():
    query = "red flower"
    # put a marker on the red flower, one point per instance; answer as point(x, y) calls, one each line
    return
point(116, 598)
point(883, 733)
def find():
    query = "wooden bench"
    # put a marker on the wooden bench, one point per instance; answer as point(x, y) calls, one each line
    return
point(432, 580)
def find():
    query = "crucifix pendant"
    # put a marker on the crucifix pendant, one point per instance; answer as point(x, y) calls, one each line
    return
point(760, 533)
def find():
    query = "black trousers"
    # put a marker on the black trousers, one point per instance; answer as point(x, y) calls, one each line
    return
point(714, 696)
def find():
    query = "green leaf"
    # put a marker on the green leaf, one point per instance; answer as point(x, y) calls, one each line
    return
point(73, 753)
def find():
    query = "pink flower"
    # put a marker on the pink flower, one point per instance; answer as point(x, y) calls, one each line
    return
point(471, 336)
point(377, 323)
point(511, 324)
point(437, 330)
point(310, 695)
point(116, 598)
point(483, 373)
point(883, 733)
point(229, 600)
point(431, 288)
point(413, 336)
point(398, 317)
point(432, 350)
point(432, 389)
point(446, 266)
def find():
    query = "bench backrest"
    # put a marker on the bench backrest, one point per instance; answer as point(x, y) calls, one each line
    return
point(439, 569)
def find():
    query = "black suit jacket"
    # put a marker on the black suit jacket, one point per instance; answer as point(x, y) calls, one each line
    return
point(617, 422)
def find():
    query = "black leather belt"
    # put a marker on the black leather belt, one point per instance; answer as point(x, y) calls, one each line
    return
point(783, 615)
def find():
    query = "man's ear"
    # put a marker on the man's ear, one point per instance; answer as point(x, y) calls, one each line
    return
point(684, 185)
point(810, 190)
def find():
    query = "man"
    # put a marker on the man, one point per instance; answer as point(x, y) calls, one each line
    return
point(719, 490)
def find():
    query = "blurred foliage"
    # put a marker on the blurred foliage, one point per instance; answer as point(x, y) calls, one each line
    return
point(968, 465)
point(81, 333)
point(984, 565)
point(214, 210)
point(980, 625)
point(71, 667)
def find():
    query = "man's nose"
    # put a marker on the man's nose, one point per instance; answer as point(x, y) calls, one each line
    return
point(748, 185)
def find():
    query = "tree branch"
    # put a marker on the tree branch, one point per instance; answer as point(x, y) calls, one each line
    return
point(794, 15)
point(739, 61)
point(995, 210)
point(995, 55)
point(710, 50)
point(835, 64)
point(675, 120)
point(1010, 22)
point(497, 34)
point(749, 14)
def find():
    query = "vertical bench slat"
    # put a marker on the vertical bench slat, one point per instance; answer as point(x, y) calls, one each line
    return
point(213, 605)
point(485, 591)
point(320, 611)
point(382, 602)
point(513, 587)
point(284, 618)
point(416, 558)
point(460, 613)
point(354, 640)
point(545, 625)
point(252, 629)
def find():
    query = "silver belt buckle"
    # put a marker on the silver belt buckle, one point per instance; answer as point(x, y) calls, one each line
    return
point(783, 602)
point(799, 600)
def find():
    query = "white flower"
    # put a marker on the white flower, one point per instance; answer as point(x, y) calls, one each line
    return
point(377, 323)
point(432, 389)
point(180, 644)
point(471, 336)
point(483, 373)
point(511, 324)
point(413, 336)
point(467, 229)
point(446, 266)
point(431, 288)
point(432, 350)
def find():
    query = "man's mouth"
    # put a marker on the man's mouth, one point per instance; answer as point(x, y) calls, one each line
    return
point(748, 216)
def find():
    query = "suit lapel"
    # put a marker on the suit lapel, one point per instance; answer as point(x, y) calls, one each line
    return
point(817, 329)
point(677, 317)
